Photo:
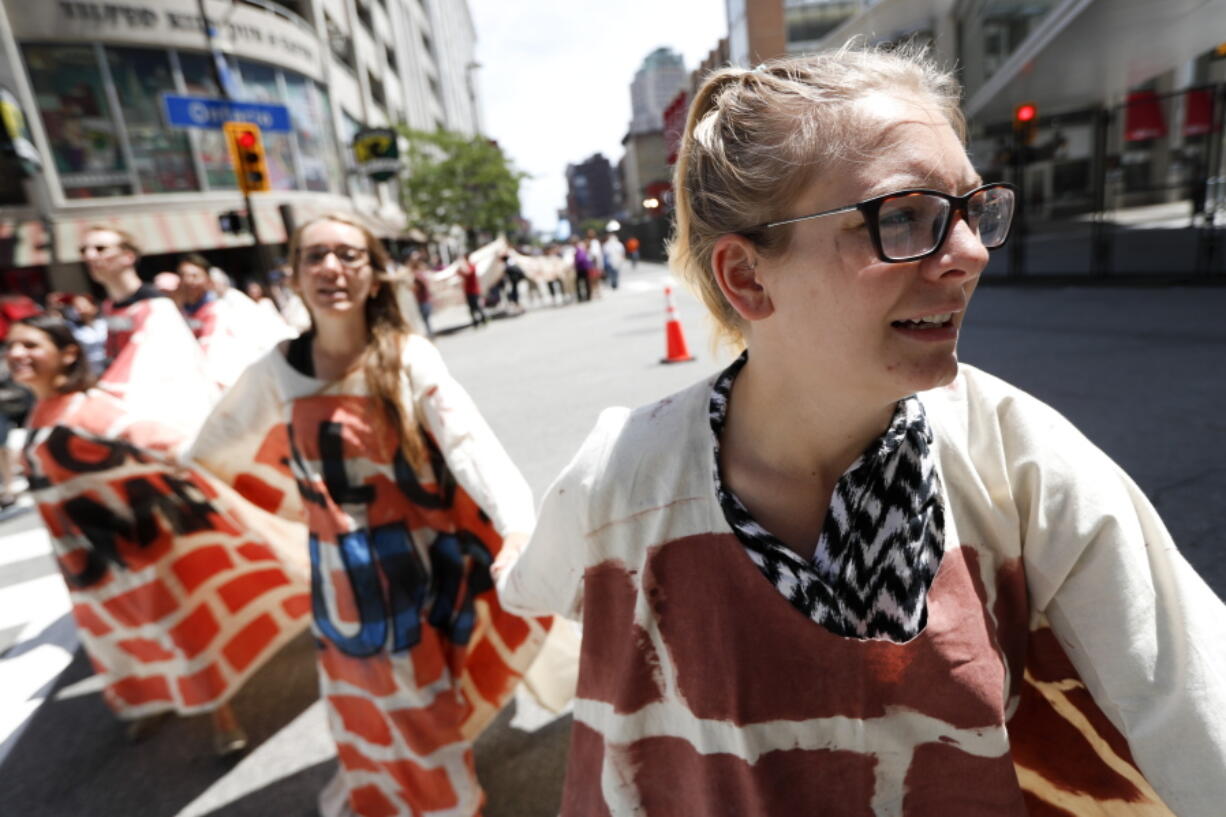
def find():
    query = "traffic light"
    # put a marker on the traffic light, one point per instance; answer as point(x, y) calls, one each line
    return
point(247, 155)
point(1026, 122)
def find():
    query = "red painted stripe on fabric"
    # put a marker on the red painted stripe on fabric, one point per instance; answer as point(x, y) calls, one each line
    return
point(427, 728)
point(196, 631)
point(199, 688)
point(513, 630)
point(201, 564)
point(424, 789)
point(490, 675)
point(629, 674)
point(145, 650)
point(361, 717)
point(259, 492)
point(88, 619)
point(354, 761)
point(142, 605)
point(369, 801)
point(297, 606)
point(945, 780)
point(242, 590)
point(428, 657)
point(373, 675)
point(256, 552)
point(136, 691)
point(250, 642)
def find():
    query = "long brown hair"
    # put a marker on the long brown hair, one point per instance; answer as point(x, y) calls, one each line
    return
point(386, 333)
point(77, 375)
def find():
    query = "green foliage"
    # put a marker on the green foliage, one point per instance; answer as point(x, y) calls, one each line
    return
point(459, 180)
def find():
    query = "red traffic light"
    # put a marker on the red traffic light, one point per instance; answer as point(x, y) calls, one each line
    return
point(1026, 112)
point(246, 139)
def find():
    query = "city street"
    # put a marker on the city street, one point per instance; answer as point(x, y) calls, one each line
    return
point(1139, 370)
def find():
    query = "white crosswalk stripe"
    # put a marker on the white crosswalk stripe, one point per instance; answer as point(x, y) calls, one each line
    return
point(40, 637)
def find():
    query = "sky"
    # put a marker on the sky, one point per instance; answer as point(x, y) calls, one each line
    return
point(555, 78)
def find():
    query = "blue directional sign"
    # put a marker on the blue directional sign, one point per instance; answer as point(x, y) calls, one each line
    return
point(205, 112)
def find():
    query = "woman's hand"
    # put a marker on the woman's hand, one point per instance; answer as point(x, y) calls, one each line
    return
point(512, 544)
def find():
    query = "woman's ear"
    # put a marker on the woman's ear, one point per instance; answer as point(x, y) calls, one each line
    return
point(735, 264)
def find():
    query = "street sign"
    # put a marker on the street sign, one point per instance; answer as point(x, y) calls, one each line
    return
point(206, 112)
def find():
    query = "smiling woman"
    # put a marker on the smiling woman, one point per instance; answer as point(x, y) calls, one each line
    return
point(357, 428)
point(848, 575)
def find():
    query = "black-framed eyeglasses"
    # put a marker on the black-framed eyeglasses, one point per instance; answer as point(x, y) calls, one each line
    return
point(908, 225)
point(349, 256)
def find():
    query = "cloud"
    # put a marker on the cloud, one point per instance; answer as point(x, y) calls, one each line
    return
point(555, 78)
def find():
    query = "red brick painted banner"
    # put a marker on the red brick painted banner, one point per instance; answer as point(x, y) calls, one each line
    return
point(177, 586)
point(416, 655)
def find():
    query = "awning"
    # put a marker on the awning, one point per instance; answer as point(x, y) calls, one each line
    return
point(171, 231)
point(1087, 52)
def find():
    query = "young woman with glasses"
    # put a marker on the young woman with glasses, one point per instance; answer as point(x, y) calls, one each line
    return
point(848, 575)
point(357, 429)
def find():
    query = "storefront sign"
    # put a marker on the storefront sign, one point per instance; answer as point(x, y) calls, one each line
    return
point(208, 113)
point(243, 30)
point(377, 153)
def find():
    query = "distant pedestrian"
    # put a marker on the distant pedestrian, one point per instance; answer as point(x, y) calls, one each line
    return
point(420, 271)
point(89, 329)
point(583, 270)
point(614, 257)
point(596, 254)
point(472, 290)
point(632, 249)
point(514, 276)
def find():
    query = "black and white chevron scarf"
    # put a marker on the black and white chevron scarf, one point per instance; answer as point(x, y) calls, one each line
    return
point(881, 543)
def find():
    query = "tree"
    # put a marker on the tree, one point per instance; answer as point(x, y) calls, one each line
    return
point(461, 180)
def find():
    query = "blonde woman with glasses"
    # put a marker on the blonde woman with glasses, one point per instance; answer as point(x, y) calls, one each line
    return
point(357, 429)
point(847, 575)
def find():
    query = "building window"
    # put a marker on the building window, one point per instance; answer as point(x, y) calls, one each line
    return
point(807, 22)
point(161, 156)
point(340, 44)
point(389, 54)
point(83, 134)
point(363, 7)
point(308, 107)
point(259, 83)
point(377, 94)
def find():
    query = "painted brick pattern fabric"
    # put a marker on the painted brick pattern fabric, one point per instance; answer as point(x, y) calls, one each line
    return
point(1072, 663)
point(178, 593)
point(234, 332)
point(416, 654)
point(157, 368)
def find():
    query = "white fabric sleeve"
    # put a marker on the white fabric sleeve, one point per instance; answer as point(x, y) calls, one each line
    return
point(477, 460)
point(1144, 631)
point(231, 436)
point(547, 577)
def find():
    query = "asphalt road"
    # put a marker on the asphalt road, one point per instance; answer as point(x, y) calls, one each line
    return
point(1138, 370)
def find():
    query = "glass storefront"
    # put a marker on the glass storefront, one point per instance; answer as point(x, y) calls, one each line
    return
point(161, 156)
point(84, 136)
point(102, 109)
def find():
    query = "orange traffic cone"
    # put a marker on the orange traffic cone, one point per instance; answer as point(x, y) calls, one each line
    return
point(678, 352)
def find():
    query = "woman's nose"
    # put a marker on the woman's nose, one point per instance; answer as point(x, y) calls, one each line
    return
point(963, 252)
